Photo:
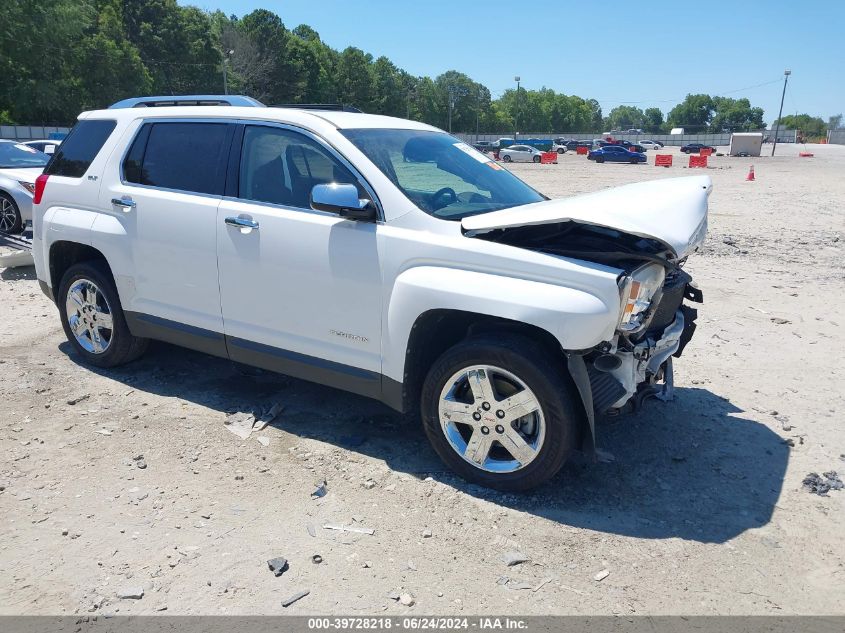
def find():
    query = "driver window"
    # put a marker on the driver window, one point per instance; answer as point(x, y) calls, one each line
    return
point(281, 166)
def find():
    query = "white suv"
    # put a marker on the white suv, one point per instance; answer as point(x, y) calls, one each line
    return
point(376, 255)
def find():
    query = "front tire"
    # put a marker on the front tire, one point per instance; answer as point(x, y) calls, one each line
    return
point(561, 150)
point(10, 215)
point(93, 319)
point(599, 159)
point(500, 412)
point(536, 159)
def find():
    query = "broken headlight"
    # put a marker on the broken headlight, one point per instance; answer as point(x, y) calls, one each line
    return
point(636, 292)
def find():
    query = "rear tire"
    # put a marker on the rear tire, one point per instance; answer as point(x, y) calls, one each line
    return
point(498, 445)
point(561, 150)
point(506, 158)
point(10, 215)
point(101, 336)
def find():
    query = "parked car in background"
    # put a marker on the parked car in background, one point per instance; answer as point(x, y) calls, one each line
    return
point(484, 146)
point(695, 148)
point(615, 154)
point(573, 144)
point(634, 131)
point(559, 145)
point(651, 144)
point(48, 146)
point(634, 147)
point(520, 154)
point(503, 142)
point(20, 165)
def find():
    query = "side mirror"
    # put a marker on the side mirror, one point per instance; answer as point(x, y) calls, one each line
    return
point(343, 200)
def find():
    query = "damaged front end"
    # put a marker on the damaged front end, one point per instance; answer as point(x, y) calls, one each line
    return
point(648, 240)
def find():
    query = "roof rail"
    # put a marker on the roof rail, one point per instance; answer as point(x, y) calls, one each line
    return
point(338, 107)
point(187, 100)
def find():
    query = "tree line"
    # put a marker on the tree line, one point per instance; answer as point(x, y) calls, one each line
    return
point(60, 57)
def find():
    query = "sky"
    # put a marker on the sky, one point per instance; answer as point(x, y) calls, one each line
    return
point(646, 53)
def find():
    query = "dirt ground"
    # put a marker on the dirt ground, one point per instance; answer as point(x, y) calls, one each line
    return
point(701, 512)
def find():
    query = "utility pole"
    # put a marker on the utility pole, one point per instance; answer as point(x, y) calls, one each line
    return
point(226, 56)
point(516, 109)
point(786, 74)
point(452, 90)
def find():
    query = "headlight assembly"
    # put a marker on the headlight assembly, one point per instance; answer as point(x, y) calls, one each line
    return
point(636, 293)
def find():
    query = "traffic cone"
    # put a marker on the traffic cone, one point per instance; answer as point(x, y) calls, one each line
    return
point(750, 175)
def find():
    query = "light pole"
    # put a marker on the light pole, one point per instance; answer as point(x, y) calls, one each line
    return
point(516, 109)
point(786, 74)
point(226, 56)
point(451, 90)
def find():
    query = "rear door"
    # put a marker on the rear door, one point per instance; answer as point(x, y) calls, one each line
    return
point(164, 196)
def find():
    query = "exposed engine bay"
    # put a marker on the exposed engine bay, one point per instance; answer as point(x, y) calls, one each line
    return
point(655, 324)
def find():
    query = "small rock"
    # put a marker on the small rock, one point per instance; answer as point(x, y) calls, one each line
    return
point(321, 490)
point(65, 532)
point(131, 593)
point(513, 558)
point(780, 321)
point(412, 565)
point(78, 399)
point(141, 464)
point(367, 564)
point(369, 484)
point(312, 530)
point(316, 559)
point(161, 607)
point(407, 599)
point(604, 573)
point(278, 565)
point(426, 533)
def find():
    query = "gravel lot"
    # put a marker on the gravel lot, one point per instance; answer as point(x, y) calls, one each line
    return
point(701, 512)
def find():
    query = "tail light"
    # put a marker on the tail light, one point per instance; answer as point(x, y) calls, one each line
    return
point(40, 183)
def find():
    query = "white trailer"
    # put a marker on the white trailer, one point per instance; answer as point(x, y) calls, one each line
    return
point(746, 143)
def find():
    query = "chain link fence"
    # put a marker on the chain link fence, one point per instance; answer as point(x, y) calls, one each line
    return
point(784, 136)
point(32, 132)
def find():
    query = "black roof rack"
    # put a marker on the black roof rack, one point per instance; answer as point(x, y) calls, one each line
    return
point(187, 100)
point(336, 107)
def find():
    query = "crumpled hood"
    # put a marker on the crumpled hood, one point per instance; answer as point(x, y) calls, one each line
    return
point(27, 174)
point(673, 211)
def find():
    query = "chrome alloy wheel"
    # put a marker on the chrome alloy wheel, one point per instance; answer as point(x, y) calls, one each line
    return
point(491, 419)
point(8, 215)
point(89, 316)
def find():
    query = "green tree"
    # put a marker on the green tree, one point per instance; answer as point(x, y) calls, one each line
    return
point(625, 117)
point(354, 78)
point(834, 122)
point(735, 115)
point(693, 113)
point(653, 121)
point(809, 125)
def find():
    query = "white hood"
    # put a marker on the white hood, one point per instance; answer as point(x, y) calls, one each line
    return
point(26, 174)
point(673, 211)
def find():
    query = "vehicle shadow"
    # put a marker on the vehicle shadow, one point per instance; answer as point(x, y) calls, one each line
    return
point(693, 468)
point(15, 274)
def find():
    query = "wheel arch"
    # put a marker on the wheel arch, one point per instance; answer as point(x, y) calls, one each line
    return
point(65, 253)
point(437, 330)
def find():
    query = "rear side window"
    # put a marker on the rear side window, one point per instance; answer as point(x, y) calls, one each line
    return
point(76, 153)
point(182, 156)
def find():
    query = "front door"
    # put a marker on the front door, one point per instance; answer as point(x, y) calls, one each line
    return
point(300, 289)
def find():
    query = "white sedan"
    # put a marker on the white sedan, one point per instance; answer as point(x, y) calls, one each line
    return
point(520, 154)
point(650, 144)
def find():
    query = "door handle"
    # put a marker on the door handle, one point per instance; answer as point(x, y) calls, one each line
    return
point(242, 223)
point(126, 203)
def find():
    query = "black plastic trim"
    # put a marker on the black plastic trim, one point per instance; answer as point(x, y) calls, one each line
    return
point(319, 370)
point(196, 338)
point(47, 290)
point(325, 372)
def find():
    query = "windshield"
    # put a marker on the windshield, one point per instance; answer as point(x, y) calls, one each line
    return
point(443, 176)
point(13, 155)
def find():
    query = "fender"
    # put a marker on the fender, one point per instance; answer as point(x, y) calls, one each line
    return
point(577, 319)
point(60, 224)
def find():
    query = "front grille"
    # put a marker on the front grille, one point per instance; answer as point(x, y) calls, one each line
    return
point(673, 295)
